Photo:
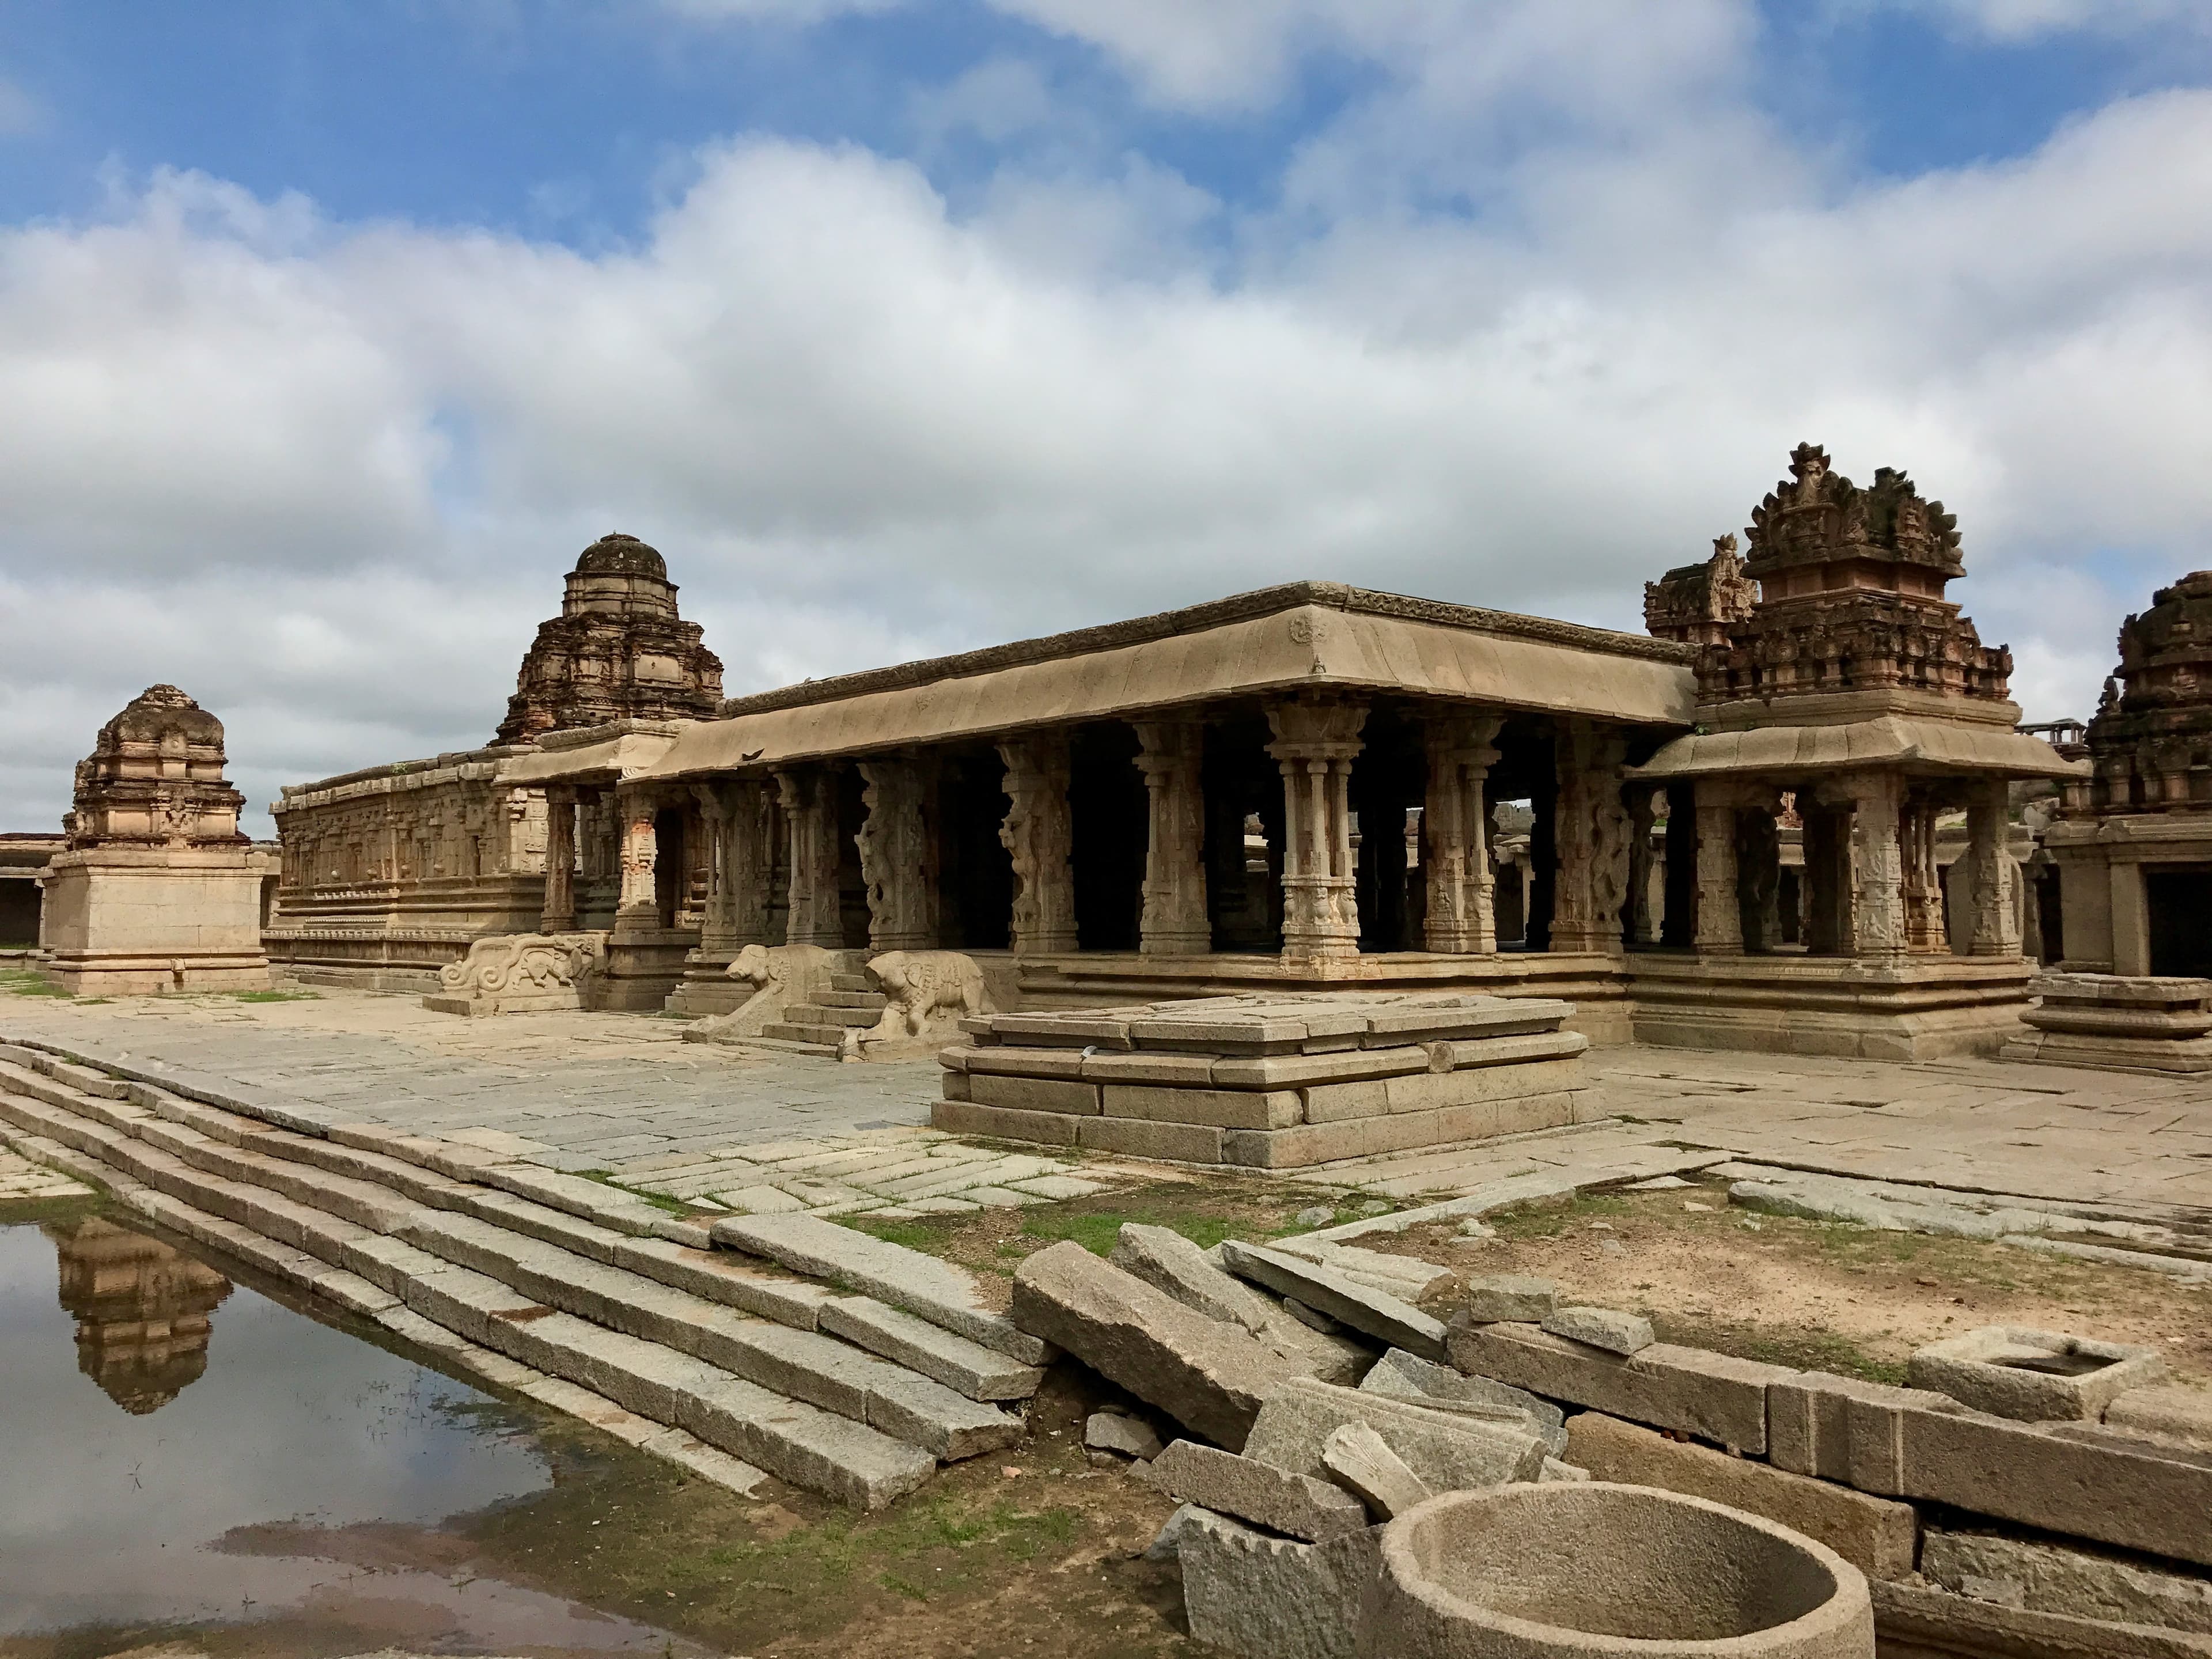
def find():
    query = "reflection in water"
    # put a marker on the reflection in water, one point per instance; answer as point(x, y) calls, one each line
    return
point(141, 1308)
point(239, 1478)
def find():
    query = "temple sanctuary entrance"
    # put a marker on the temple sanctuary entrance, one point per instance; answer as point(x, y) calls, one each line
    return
point(2179, 899)
point(671, 865)
point(1108, 811)
point(18, 913)
point(976, 875)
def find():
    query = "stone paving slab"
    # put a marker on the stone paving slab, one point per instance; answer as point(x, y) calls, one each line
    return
point(622, 1093)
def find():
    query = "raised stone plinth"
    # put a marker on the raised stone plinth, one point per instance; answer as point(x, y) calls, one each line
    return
point(140, 920)
point(1268, 1081)
point(1579, 1570)
point(2118, 1022)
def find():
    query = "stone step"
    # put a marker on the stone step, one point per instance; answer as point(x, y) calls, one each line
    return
point(825, 1037)
point(820, 1013)
point(788, 1046)
point(874, 1001)
point(969, 1367)
point(853, 982)
point(278, 1231)
point(801, 1443)
point(805, 1365)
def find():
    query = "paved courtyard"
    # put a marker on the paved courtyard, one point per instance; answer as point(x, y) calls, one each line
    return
point(623, 1092)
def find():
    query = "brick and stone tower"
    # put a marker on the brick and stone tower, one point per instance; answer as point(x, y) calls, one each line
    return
point(154, 779)
point(617, 651)
point(2151, 740)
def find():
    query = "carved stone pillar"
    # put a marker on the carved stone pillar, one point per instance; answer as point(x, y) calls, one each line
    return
point(637, 903)
point(809, 798)
point(558, 913)
point(1720, 913)
point(1591, 836)
point(1758, 871)
point(898, 853)
point(1174, 921)
point(1039, 835)
point(748, 863)
point(1454, 824)
point(1878, 924)
point(1643, 903)
point(1314, 741)
point(1924, 933)
point(1993, 929)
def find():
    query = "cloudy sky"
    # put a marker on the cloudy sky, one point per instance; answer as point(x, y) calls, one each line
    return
point(328, 335)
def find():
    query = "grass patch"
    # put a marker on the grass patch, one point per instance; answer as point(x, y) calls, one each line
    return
point(274, 996)
point(928, 1237)
point(1801, 1350)
point(30, 982)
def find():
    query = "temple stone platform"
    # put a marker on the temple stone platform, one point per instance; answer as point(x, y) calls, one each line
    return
point(1268, 1081)
point(2118, 1022)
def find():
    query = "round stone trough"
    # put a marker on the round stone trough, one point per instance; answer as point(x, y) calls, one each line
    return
point(1588, 1569)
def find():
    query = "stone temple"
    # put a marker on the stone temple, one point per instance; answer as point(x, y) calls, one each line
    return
point(1780, 820)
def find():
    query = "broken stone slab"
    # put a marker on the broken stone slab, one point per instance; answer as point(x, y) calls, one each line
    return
point(2035, 1375)
point(1297, 1505)
point(1447, 1449)
point(1517, 1298)
point(1602, 1327)
point(1207, 1374)
point(1690, 1390)
point(979, 1372)
point(1373, 1312)
point(2046, 1577)
point(1554, 1469)
point(1843, 1428)
point(1263, 1597)
point(936, 1290)
point(1114, 1433)
point(1402, 1375)
point(1403, 1277)
point(1356, 1455)
point(1168, 1545)
point(1875, 1535)
point(1168, 1262)
point(2170, 1412)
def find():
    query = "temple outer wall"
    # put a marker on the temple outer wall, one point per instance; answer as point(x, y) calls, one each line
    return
point(390, 874)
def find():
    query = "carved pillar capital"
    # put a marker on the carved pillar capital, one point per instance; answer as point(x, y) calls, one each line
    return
point(1039, 835)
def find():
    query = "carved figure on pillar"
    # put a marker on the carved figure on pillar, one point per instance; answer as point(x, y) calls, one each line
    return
point(1643, 908)
point(1315, 740)
point(1039, 833)
point(1994, 920)
point(1174, 920)
point(1878, 903)
point(1454, 824)
point(1720, 916)
point(898, 855)
point(558, 913)
point(639, 902)
point(1592, 832)
point(809, 798)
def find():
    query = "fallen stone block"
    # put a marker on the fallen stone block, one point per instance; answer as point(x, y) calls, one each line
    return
point(1874, 1535)
point(1449, 1451)
point(1168, 1545)
point(1169, 1262)
point(2172, 1412)
point(1363, 1465)
point(2034, 1376)
point(1263, 1597)
point(2044, 1578)
point(1377, 1314)
point(1297, 1505)
point(1602, 1327)
point(1915, 1620)
point(1402, 1375)
point(1510, 1296)
point(1112, 1431)
point(2065, 1478)
point(1840, 1428)
point(1554, 1469)
point(1710, 1395)
point(936, 1290)
point(1207, 1374)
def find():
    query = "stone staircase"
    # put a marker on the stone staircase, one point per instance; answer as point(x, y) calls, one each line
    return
point(580, 1295)
point(852, 1002)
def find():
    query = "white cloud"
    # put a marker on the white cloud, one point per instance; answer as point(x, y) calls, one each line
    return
point(2018, 23)
point(326, 476)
